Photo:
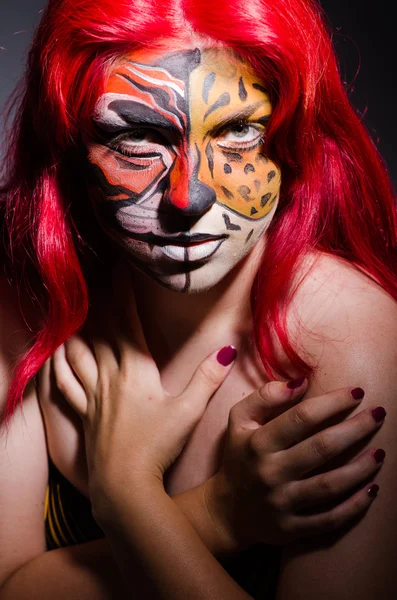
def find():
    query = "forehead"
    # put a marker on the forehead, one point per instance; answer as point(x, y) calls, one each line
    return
point(200, 73)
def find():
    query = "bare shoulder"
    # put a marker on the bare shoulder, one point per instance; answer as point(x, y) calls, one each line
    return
point(341, 319)
point(346, 325)
point(23, 455)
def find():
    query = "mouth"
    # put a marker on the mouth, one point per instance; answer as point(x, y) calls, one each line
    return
point(184, 247)
point(182, 239)
point(192, 252)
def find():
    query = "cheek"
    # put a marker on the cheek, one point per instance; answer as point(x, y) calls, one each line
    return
point(124, 178)
point(245, 182)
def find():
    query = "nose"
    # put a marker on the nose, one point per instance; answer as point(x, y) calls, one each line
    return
point(201, 198)
point(187, 193)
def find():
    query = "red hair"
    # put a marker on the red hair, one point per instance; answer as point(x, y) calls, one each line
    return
point(336, 196)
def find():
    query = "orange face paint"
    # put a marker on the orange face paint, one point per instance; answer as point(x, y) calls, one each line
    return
point(179, 153)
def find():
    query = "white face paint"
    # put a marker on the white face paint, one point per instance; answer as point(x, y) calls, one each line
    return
point(180, 178)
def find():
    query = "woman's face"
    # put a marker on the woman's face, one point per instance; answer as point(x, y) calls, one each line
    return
point(180, 180)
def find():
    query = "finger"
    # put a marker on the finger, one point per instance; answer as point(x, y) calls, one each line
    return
point(266, 403)
point(334, 519)
point(307, 417)
point(207, 378)
point(333, 484)
point(326, 445)
point(67, 383)
point(82, 361)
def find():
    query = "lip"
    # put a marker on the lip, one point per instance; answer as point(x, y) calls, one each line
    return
point(192, 252)
point(182, 239)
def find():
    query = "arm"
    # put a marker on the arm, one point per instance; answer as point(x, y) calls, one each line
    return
point(85, 571)
point(126, 413)
point(151, 531)
point(354, 338)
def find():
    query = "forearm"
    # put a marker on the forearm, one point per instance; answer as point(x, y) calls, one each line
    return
point(82, 572)
point(146, 528)
point(203, 507)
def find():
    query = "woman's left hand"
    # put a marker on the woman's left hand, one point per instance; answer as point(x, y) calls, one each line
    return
point(130, 422)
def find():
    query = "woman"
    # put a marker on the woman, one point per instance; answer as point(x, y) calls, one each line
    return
point(219, 155)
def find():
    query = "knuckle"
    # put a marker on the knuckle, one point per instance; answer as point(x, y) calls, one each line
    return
point(321, 446)
point(208, 372)
point(187, 409)
point(74, 353)
point(281, 500)
point(256, 444)
point(269, 392)
point(301, 416)
point(62, 383)
point(325, 485)
point(269, 476)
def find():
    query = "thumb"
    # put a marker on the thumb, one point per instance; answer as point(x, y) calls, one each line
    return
point(208, 377)
point(266, 403)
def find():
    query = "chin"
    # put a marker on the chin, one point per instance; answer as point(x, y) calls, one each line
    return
point(195, 281)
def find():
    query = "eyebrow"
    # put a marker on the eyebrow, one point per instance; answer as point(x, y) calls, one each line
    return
point(136, 114)
point(240, 115)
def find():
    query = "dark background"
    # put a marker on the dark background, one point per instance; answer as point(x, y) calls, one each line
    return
point(364, 37)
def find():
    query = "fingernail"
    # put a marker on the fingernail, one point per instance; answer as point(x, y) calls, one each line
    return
point(226, 355)
point(379, 455)
point(379, 414)
point(295, 383)
point(357, 393)
point(373, 490)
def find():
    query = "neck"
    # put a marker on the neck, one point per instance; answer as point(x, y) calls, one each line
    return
point(207, 320)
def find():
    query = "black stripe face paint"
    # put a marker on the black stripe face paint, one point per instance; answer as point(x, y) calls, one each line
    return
point(178, 168)
point(242, 92)
point(223, 100)
point(207, 86)
point(209, 152)
point(249, 168)
point(229, 225)
point(247, 239)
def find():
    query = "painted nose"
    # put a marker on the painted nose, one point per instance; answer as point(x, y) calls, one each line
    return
point(191, 196)
point(201, 198)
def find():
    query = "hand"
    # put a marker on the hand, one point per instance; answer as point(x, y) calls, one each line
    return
point(266, 491)
point(133, 428)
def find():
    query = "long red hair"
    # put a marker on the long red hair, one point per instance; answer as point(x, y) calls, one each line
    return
point(336, 196)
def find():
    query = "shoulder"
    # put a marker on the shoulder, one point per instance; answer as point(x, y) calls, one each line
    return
point(340, 319)
point(345, 325)
point(23, 456)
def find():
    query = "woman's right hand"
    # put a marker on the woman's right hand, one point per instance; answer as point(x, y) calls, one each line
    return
point(267, 490)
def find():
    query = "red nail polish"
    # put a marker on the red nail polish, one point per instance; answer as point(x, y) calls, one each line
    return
point(357, 393)
point(379, 414)
point(226, 355)
point(379, 455)
point(295, 383)
point(373, 490)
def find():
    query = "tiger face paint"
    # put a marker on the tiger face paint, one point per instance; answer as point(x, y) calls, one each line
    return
point(180, 180)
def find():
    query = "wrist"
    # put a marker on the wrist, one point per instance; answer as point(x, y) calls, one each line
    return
point(219, 503)
point(113, 499)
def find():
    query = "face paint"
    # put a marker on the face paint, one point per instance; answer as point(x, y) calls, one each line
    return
point(180, 180)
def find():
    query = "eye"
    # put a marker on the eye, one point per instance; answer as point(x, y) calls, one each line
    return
point(242, 136)
point(136, 141)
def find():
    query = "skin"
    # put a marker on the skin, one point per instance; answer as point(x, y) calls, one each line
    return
point(180, 180)
point(52, 569)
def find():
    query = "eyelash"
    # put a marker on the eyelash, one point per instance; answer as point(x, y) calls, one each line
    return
point(117, 143)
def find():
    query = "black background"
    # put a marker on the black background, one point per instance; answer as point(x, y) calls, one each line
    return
point(364, 36)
